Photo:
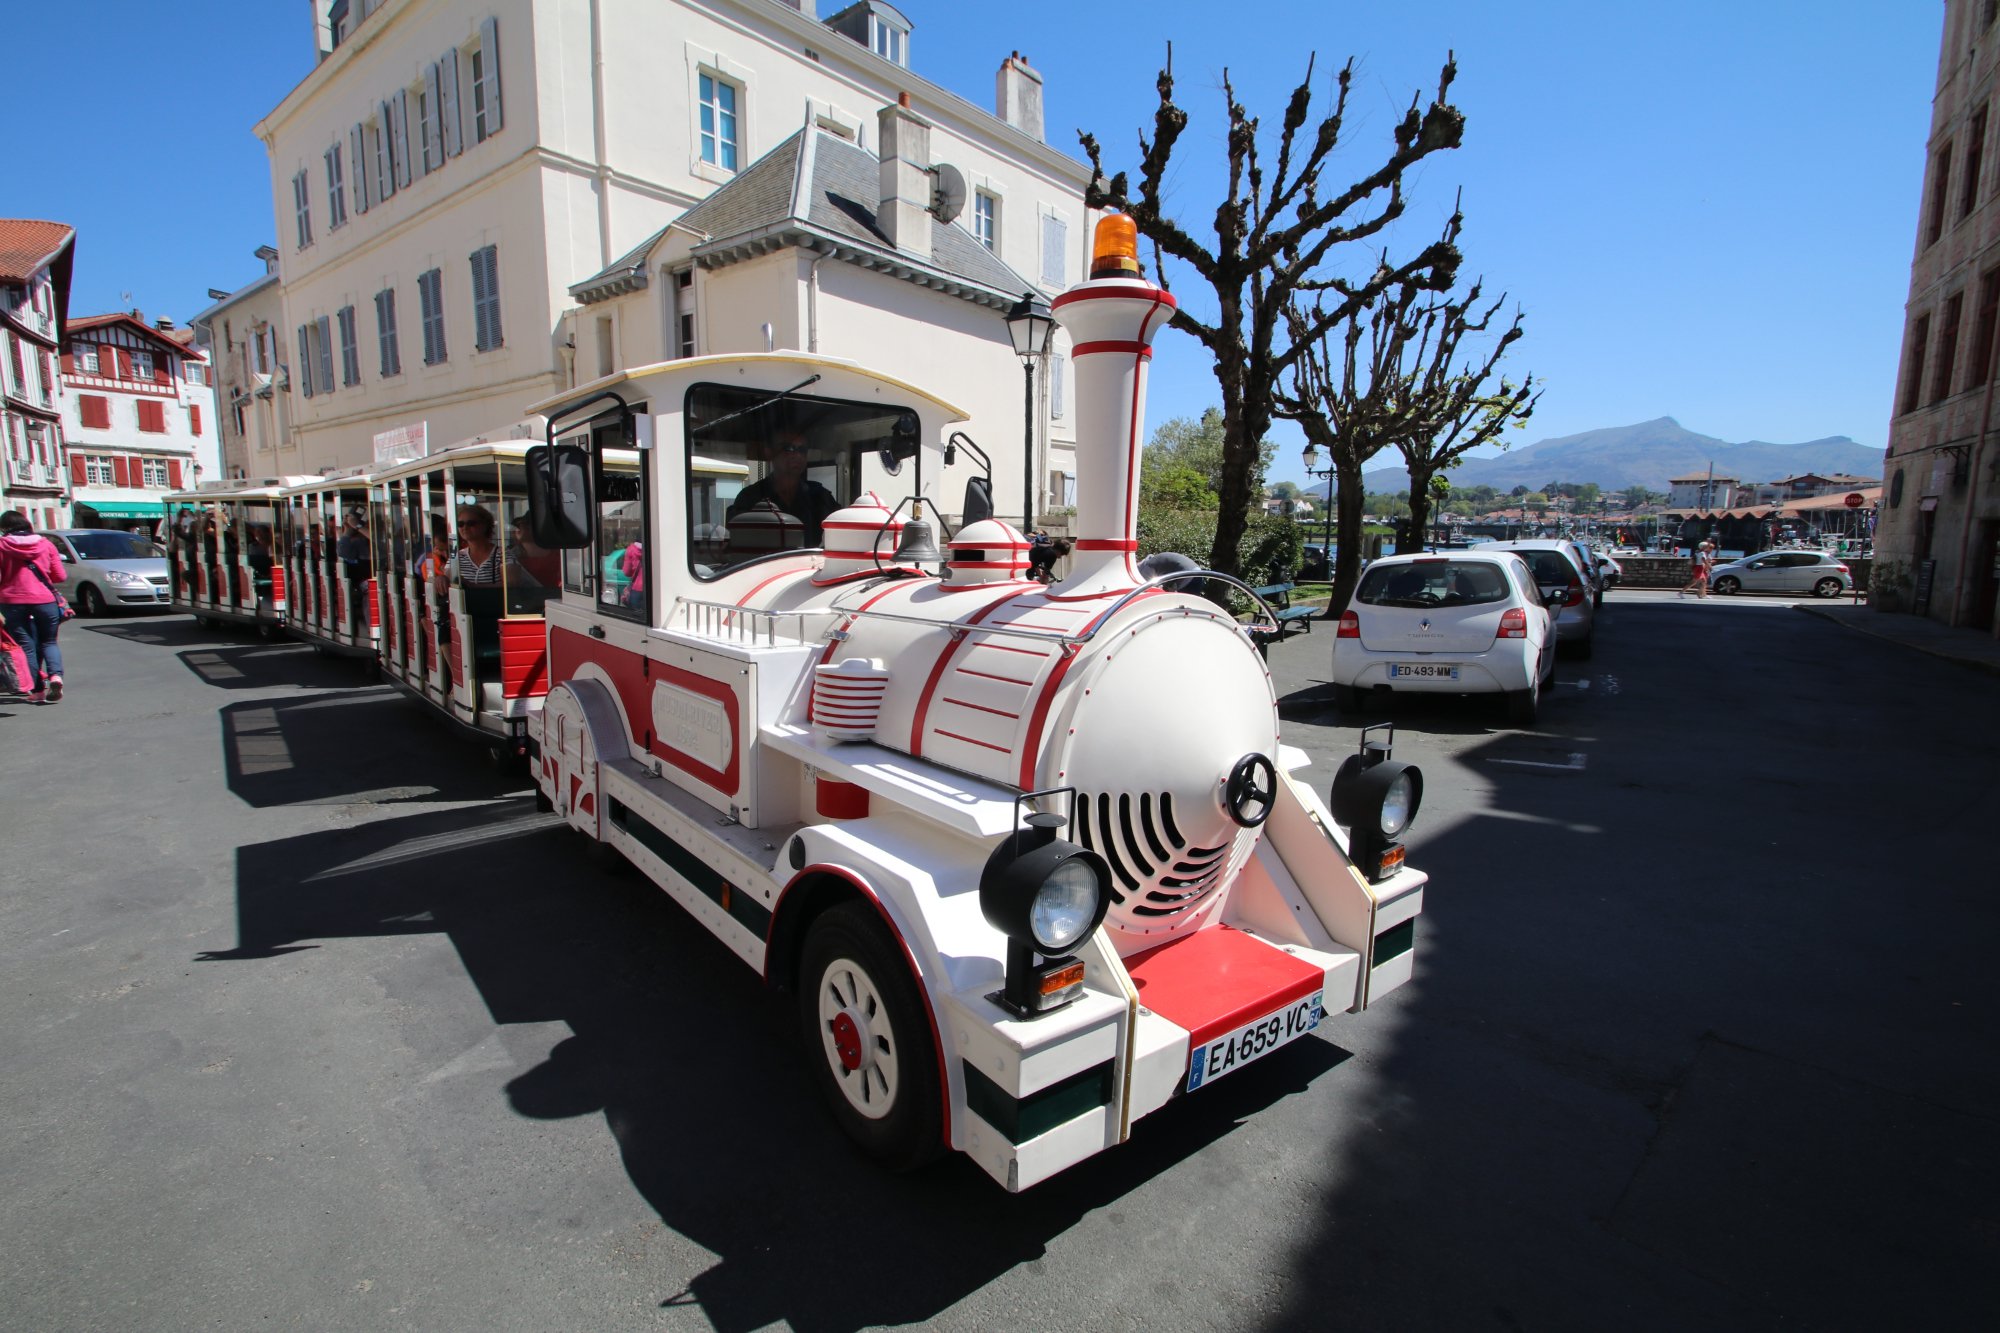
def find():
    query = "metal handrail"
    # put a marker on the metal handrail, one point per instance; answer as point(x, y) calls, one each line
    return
point(1178, 575)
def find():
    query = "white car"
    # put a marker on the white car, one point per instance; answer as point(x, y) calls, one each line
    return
point(108, 569)
point(1460, 622)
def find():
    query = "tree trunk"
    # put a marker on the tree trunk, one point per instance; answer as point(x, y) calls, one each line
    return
point(1420, 510)
point(1347, 506)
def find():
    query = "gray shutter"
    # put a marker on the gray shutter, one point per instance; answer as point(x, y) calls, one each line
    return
point(1056, 384)
point(490, 258)
point(322, 335)
point(489, 48)
point(481, 298)
point(400, 104)
point(448, 102)
point(385, 170)
point(305, 380)
point(360, 167)
point(1055, 250)
point(434, 120)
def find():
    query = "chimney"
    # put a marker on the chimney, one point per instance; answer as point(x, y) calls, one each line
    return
point(163, 323)
point(904, 212)
point(216, 294)
point(269, 255)
point(809, 8)
point(1112, 322)
point(1017, 96)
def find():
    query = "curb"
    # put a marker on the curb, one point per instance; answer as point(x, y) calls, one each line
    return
point(1991, 668)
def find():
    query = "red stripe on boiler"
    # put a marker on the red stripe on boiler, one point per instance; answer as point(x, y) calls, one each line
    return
point(1031, 742)
point(937, 673)
point(1106, 544)
point(997, 712)
point(1109, 345)
point(1136, 292)
point(969, 741)
point(987, 675)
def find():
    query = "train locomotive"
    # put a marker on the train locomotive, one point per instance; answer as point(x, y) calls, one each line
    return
point(1032, 858)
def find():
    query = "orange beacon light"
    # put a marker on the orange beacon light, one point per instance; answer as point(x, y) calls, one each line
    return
point(1115, 252)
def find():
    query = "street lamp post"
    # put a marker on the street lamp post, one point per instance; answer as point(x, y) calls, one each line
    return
point(1029, 325)
point(1311, 460)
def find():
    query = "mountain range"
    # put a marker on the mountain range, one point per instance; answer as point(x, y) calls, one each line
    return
point(1646, 454)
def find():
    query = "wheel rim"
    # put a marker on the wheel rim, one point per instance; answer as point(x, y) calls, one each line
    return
point(92, 602)
point(857, 1040)
point(1829, 587)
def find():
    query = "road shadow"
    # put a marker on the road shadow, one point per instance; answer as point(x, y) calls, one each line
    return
point(174, 631)
point(349, 747)
point(696, 1070)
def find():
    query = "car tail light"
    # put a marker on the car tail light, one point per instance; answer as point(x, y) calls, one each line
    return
point(1843, 569)
point(1513, 625)
point(1575, 597)
point(1349, 626)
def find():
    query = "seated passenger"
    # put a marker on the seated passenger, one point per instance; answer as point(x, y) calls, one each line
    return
point(538, 562)
point(788, 488)
point(477, 564)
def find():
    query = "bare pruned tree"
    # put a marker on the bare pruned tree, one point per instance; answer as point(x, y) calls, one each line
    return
point(1353, 392)
point(1276, 236)
point(1460, 410)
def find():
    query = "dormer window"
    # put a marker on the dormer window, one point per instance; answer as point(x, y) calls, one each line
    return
point(878, 26)
point(890, 41)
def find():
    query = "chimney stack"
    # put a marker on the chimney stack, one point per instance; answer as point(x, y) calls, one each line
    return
point(163, 323)
point(1017, 96)
point(904, 211)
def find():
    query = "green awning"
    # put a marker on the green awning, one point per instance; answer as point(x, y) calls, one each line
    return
point(126, 509)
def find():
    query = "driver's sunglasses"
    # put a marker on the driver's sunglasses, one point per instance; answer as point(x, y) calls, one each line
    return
point(791, 448)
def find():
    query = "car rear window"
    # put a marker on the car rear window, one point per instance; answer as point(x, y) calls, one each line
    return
point(1550, 567)
point(1433, 583)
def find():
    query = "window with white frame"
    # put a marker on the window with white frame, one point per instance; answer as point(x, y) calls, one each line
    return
point(197, 373)
point(154, 472)
point(719, 101)
point(890, 40)
point(142, 365)
point(486, 118)
point(336, 189)
point(97, 470)
point(986, 219)
point(486, 298)
point(86, 358)
point(684, 313)
point(302, 207)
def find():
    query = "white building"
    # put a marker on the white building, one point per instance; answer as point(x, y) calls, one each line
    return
point(242, 333)
point(138, 418)
point(35, 263)
point(451, 168)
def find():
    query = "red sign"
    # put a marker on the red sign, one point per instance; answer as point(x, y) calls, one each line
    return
point(1853, 500)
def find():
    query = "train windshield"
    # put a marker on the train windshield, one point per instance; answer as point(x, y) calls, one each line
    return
point(765, 470)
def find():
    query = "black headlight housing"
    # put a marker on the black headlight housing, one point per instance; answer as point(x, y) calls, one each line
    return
point(1045, 894)
point(1376, 798)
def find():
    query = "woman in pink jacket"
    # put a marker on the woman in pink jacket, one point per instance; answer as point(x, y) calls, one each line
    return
point(30, 569)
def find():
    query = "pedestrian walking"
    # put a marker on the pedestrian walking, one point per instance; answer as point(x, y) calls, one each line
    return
point(1702, 561)
point(30, 569)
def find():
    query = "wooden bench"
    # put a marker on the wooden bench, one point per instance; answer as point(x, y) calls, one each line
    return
point(1278, 596)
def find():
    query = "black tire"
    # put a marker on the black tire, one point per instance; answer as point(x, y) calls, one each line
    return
point(1827, 588)
point(1347, 698)
point(1728, 585)
point(89, 601)
point(1523, 706)
point(853, 966)
point(543, 804)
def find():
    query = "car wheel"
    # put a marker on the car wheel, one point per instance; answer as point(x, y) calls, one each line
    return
point(1347, 698)
point(1827, 588)
point(1728, 584)
point(1524, 705)
point(89, 601)
point(868, 1040)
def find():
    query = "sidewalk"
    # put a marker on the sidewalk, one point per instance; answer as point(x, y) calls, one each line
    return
point(1970, 647)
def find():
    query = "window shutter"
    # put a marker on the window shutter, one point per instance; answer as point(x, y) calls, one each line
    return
point(434, 119)
point(69, 363)
point(360, 163)
point(322, 334)
point(399, 105)
point(121, 470)
point(448, 102)
point(305, 379)
point(194, 418)
point(489, 50)
point(1055, 248)
point(385, 163)
point(77, 474)
point(1056, 385)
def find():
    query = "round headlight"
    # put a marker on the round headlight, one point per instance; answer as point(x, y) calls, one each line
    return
point(1398, 805)
point(1065, 906)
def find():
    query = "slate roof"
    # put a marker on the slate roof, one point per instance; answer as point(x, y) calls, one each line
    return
point(816, 191)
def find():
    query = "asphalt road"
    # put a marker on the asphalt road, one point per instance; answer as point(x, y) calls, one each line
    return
point(311, 1021)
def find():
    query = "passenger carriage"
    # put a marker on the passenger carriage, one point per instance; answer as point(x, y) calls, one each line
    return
point(466, 638)
point(224, 566)
point(1033, 859)
point(332, 603)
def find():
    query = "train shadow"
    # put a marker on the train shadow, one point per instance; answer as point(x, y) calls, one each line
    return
point(696, 1069)
point(303, 751)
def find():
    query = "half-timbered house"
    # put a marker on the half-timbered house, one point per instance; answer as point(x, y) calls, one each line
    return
point(139, 418)
point(35, 260)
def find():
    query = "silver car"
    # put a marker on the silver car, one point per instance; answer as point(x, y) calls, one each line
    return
point(110, 569)
point(1567, 581)
point(1815, 572)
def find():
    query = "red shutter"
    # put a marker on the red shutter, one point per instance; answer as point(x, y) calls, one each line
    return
point(174, 473)
point(194, 417)
point(69, 363)
point(76, 472)
point(121, 472)
point(95, 409)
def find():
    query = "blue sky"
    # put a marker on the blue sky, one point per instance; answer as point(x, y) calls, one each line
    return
point(1706, 209)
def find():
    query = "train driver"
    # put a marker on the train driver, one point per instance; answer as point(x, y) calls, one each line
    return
point(787, 487)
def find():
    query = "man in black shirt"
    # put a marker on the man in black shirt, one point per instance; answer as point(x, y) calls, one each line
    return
point(787, 487)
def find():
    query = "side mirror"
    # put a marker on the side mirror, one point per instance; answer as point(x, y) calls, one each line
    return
point(559, 496)
point(978, 503)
